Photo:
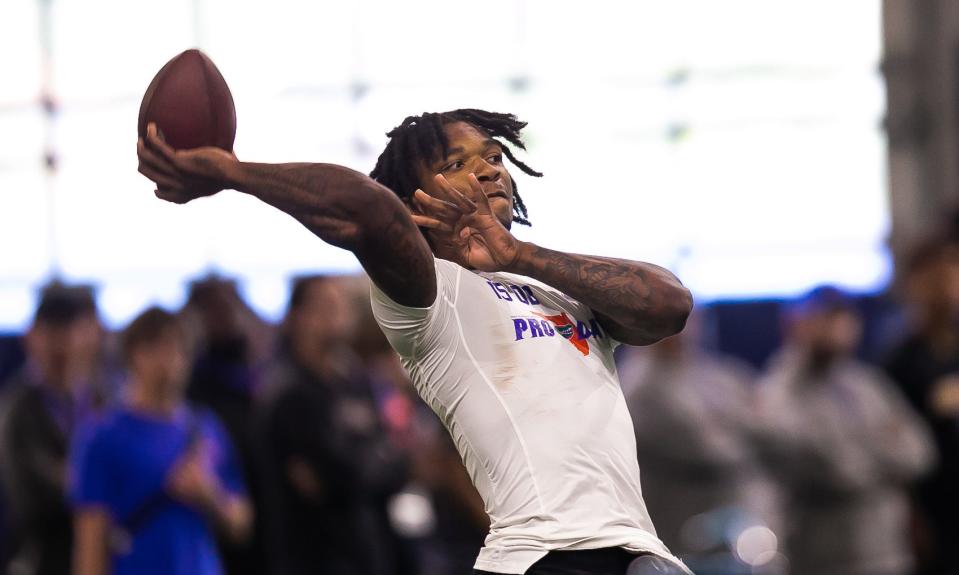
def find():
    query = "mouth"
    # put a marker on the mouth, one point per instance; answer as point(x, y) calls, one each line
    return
point(498, 194)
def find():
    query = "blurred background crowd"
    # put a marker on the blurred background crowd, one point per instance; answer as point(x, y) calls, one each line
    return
point(188, 387)
point(301, 447)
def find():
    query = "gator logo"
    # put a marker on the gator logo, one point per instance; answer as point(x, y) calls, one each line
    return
point(567, 329)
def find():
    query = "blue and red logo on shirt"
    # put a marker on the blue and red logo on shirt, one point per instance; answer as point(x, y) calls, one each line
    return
point(542, 325)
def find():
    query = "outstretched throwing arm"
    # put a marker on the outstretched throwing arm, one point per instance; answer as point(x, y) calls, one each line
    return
point(340, 206)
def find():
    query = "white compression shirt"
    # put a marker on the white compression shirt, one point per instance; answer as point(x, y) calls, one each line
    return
point(523, 378)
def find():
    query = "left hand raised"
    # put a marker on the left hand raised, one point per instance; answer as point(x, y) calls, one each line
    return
point(466, 226)
point(191, 479)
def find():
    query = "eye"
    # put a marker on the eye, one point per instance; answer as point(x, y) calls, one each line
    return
point(495, 159)
point(453, 166)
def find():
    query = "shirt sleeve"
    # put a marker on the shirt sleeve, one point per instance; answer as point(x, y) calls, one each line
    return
point(90, 474)
point(410, 329)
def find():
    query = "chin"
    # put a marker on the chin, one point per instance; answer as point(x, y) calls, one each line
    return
point(504, 215)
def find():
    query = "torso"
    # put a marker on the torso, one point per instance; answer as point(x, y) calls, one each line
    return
point(524, 379)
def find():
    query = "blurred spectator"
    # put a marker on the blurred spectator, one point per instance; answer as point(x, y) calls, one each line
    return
point(847, 446)
point(60, 383)
point(231, 342)
point(926, 367)
point(439, 511)
point(459, 520)
point(693, 413)
point(329, 466)
point(150, 478)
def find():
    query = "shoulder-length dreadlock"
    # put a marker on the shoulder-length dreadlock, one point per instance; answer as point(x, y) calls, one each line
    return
point(421, 139)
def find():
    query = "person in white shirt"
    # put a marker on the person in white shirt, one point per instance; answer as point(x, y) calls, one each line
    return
point(509, 342)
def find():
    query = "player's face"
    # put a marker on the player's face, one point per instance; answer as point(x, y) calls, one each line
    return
point(472, 151)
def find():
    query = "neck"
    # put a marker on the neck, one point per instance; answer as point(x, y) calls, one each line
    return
point(152, 398)
point(820, 361)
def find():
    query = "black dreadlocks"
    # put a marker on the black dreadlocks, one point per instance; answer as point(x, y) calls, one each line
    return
point(421, 139)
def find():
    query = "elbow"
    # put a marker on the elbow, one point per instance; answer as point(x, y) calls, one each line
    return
point(678, 310)
point(668, 319)
point(673, 314)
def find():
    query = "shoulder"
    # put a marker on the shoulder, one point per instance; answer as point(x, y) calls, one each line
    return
point(446, 272)
point(446, 266)
point(410, 328)
point(99, 434)
point(870, 378)
point(18, 392)
point(21, 408)
point(106, 423)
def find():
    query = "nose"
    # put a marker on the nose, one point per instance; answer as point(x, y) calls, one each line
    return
point(487, 172)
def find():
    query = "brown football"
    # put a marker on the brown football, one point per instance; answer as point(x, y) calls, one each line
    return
point(190, 103)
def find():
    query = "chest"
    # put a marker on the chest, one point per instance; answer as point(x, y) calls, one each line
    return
point(512, 321)
point(141, 457)
point(524, 312)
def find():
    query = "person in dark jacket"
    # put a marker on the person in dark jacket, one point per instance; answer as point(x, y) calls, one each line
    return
point(60, 384)
point(328, 461)
point(925, 365)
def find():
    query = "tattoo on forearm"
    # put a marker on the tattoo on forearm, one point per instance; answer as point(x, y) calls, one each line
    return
point(637, 297)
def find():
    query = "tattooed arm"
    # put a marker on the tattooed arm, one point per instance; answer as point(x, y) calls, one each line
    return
point(636, 303)
point(340, 206)
point(351, 211)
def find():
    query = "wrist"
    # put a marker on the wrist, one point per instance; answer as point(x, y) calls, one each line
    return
point(523, 262)
point(235, 175)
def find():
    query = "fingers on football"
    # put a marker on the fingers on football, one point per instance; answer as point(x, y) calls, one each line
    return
point(453, 195)
point(156, 142)
point(161, 179)
point(154, 161)
point(175, 196)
